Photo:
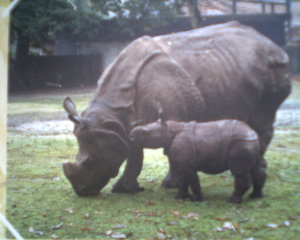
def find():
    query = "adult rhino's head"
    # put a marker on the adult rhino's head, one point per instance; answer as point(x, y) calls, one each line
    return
point(102, 149)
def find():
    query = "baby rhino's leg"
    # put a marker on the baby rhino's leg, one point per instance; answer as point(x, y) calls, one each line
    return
point(181, 173)
point(188, 178)
point(241, 159)
point(195, 185)
point(241, 184)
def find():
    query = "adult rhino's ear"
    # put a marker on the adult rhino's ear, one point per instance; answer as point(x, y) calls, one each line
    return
point(113, 140)
point(116, 126)
point(70, 108)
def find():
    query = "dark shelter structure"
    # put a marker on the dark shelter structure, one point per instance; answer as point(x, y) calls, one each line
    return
point(274, 19)
point(48, 72)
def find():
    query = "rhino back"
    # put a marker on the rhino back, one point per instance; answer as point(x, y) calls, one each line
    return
point(204, 145)
point(144, 78)
point(233, 66)
point(221, 71)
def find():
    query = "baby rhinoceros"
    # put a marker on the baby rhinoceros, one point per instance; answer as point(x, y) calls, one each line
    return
point(210, 147)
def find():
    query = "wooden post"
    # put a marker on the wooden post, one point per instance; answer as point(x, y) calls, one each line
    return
point(234, 3)
point(4, 26)
point(263, 8)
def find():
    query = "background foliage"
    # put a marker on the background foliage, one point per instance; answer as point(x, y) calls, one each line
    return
point(37, 22)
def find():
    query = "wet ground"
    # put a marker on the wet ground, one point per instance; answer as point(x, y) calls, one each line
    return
point(288, 115)
point(57, 123)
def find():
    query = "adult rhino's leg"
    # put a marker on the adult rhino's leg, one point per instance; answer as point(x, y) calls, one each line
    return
point(265, 138)
point(262, 122)
point(258, 179)
point(128, 182)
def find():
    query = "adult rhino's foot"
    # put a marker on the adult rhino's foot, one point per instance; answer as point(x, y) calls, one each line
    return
point(235, 199)
point(170, 181)
point(126, 187)
point(257, 194)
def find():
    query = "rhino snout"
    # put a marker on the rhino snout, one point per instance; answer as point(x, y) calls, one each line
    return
point(83, 182)
point(69, 169)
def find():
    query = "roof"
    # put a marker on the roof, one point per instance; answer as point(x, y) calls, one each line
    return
point(222, 7)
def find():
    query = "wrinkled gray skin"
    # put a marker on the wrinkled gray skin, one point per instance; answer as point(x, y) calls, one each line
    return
point(210, 147)
point(225, 71)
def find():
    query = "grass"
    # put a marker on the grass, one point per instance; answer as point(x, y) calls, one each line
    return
point(42, 205)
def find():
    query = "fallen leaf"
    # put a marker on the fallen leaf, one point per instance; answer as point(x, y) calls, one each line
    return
point(69, 210)
point(150, 214)
point(162, 234)
point(32, 230)
point(140, 213)
point(119, 226)
point(149, 203)
point(87, 216)
point(227, 226)
point(175, 213)
point(54, 236)
point(244, 220)
point(96, 212)
point(173, 223)
point(69, 225)
point(194, 216)
point(230, 226)
point(161, 230)
point(119, 235)
point(287, 223)
point(58, 226)
point(85, 229)
point(222, 219)
point(272, 225)
point(56, 179)
point(150, 180)
point(220, 229)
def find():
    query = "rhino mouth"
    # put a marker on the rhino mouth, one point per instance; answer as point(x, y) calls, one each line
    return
point(83, 182)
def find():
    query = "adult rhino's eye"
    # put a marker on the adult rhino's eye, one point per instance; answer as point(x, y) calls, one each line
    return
point(88, 162)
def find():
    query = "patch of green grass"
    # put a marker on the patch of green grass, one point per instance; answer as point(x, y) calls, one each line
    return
point(295, 94)
point(40, 197)
point(42, 205)
point(44, 104)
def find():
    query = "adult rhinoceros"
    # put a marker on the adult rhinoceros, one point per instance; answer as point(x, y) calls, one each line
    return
point(217, 72)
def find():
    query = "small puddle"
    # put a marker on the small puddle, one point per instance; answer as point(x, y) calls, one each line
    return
point(47, 127)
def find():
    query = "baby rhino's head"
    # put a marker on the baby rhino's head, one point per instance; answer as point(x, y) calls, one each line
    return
point(148, 136)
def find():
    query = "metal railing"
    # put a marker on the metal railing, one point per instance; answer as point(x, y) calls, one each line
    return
point(264, 4)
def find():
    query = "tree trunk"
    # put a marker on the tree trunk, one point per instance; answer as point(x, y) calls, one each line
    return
point(22, 45)
point(18, 79)
point(194, 12)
